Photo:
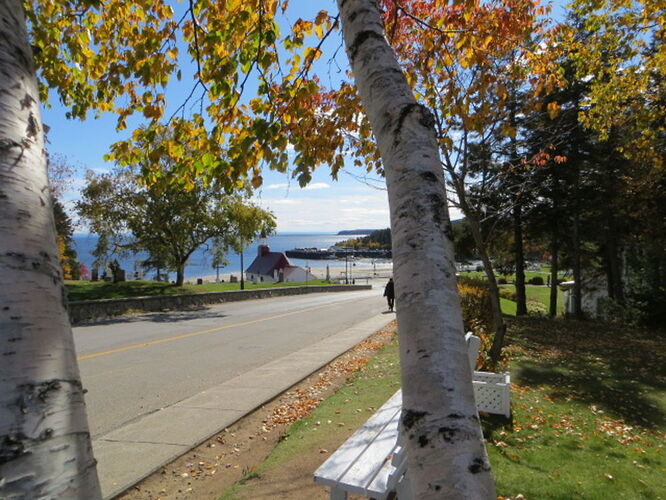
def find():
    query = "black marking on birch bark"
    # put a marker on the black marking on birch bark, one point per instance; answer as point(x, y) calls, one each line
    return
point(42, 390)
point(412, 417)
point(428, 176)
point(478, 465)
point(352, 17)
point(448, 434)
point(33, 126)
point(12, 447)
point(63, 297)
point(6, 144)
point(435, 487)
point(426, 119)
point(436, 204)
point(27, 101)
point(360, 39)
point(423, 441)
point(402, 116)
point(448, 231)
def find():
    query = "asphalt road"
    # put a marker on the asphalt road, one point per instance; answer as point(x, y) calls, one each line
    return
point(137, 365)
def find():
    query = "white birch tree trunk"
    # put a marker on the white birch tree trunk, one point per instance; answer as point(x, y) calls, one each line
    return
point(45, 448)
point(446, 455)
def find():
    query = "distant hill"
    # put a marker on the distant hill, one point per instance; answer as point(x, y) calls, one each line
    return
point(356, 231)
point(377, 239)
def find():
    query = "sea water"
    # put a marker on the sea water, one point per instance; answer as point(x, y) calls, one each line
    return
point(200, 262)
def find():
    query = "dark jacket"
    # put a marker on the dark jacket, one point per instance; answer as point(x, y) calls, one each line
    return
point(388, 290)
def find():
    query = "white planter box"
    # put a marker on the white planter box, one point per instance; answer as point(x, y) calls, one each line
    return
point(492, 392)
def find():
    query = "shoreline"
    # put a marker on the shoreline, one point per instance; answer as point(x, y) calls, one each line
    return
point(359, 270)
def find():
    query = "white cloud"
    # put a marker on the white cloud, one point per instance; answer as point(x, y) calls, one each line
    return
point(329, 213)
point(284, 201)
point(310, 187)
point(316, 185)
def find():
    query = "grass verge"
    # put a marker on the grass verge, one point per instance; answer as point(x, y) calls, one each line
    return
point(334, 420)
point(95, 290)
point(589, 408)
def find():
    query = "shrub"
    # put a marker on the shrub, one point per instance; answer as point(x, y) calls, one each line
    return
point(536, 280)
point(507, 293)
point(630, 314)
point(475, 303)
point(536, 308)
point(477, 314)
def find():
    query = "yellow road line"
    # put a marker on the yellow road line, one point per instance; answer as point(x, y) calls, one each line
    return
point(194, 334)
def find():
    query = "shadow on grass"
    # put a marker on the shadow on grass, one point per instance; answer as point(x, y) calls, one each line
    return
point(614, 368)
point(492, 425)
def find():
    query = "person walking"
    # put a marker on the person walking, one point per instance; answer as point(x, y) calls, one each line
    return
point(389, 293)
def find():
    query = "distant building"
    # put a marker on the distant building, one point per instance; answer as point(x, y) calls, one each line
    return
point(594, 288)
point(275, 267)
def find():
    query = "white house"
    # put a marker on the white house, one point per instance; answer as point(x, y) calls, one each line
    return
point(275, 267)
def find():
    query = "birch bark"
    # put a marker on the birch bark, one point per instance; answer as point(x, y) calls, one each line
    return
point(447, 458)
point(45, 449)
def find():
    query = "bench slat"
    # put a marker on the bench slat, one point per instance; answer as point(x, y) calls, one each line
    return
point(365, 473)
point(334, 471)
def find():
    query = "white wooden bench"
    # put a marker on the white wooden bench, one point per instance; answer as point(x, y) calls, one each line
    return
point(373, 462)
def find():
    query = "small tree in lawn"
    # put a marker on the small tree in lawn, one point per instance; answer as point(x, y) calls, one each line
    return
point(164, 220)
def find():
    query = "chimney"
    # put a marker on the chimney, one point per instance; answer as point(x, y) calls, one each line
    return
point(263, 245)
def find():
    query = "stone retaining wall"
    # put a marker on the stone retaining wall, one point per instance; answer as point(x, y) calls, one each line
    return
point(92, 310)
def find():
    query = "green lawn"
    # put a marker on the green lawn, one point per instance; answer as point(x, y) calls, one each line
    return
point(89, 290)
point(588, 414)
point(536, 293)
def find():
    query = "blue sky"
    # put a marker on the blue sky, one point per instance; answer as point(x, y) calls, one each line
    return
point(324, 205)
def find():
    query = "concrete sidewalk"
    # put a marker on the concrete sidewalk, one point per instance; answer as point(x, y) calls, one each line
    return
point(139, 448)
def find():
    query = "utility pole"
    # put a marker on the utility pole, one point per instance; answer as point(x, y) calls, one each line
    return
point(242, 280)
point(346, 264)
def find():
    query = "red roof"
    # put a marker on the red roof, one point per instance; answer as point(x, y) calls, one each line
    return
point(266, 264)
